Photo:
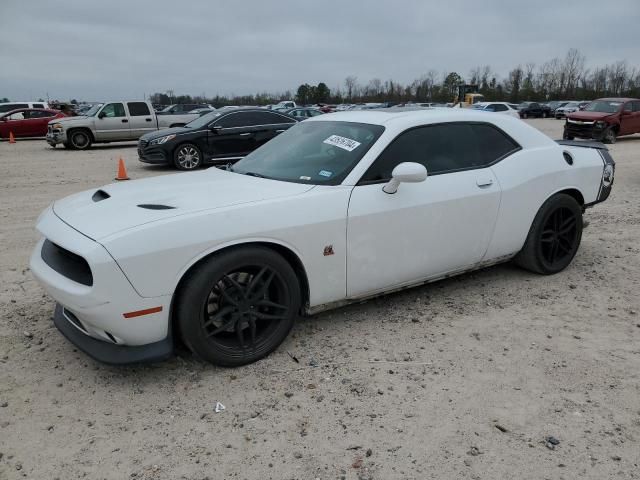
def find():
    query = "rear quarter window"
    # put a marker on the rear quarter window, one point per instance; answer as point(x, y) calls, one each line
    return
point(493, 143)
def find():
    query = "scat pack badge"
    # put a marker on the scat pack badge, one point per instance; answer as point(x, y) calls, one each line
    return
point(328, 250)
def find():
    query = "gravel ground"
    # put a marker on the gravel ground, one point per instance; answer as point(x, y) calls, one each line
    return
point(465, 378)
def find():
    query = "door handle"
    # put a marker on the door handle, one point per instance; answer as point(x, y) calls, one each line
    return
point(147, 119)
point(245, 134)
point(484, 182)
point(124, 120)
point(279, 131)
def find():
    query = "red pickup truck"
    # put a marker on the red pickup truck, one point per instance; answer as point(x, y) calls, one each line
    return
point(604, 119)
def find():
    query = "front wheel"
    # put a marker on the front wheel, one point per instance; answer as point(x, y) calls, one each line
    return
point(238, 306)
point(187, 157)
point(554, 236)
point(566, 136)
point(609, 135)
point(79, 139)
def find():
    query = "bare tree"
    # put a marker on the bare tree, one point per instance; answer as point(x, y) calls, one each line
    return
point(351, 83)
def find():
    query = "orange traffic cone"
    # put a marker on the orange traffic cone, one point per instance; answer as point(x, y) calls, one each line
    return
point(122, 171)
point(11, 138)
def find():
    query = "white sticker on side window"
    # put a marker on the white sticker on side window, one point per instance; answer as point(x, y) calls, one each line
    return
point(342, 142)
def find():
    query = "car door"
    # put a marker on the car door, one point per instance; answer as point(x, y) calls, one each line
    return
point(428, 229)
point(269, 125)
point(16, 123)
point(636, 116)
point(39, 120)
point(628, 122)
point(230, 137)
point(112, 123)
point(140, 119)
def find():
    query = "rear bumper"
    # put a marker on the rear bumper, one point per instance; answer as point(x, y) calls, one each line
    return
point(108, 352)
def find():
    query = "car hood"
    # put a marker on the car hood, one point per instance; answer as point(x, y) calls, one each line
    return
point(165, 131)
point(69, 120)
point(582, 115)
point(102, 212)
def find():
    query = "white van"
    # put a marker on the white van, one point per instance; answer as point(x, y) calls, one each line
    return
point(7, 107)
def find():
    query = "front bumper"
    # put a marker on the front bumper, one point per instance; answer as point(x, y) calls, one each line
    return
point(99, 306)
point(109, 353)
point(579, 129)
point(155, 154)
point(55, 137)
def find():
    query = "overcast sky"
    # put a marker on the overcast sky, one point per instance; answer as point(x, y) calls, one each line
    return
point(99, 50)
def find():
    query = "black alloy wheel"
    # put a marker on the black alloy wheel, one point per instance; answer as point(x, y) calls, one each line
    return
point(554, 237)
point(558, 237)
point(239, 306)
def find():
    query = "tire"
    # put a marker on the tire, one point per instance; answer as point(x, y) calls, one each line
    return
point(79, 139)
point(525, 115)
point(219, 305)
point(544, 114)
point(67, 145)
point(609, 135)
point(554, 236)
point(566, 136)
point(187, 157)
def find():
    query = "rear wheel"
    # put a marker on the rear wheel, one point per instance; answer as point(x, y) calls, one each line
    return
point(609, 135)
point(554, 236)
point(238, 306)
point(79, 139)
point(187, 157)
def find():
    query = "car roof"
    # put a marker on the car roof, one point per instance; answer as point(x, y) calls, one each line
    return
point(409, 117)
point(617, 99)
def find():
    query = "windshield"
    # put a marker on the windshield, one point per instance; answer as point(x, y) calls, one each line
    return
point(604, 106)
point(318, 153)
point(93, 110)
point(203, 121)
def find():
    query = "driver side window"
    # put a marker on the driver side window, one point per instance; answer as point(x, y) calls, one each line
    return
point(440, 148)
point(112, 110)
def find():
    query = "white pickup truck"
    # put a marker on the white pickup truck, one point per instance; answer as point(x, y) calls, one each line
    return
point(111, 122)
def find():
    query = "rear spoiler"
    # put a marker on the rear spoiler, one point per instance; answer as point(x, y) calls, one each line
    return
point(583, 143)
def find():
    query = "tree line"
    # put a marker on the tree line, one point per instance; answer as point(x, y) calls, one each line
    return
point(559, 78)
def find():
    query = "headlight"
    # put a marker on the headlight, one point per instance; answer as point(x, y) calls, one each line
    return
point(161, 140)
point(600, 124)
point(57, 126)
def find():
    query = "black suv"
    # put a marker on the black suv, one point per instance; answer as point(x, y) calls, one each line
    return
point(217, 137)
point(533, 109)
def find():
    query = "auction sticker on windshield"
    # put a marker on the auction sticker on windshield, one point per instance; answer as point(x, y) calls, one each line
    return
point(342, 142)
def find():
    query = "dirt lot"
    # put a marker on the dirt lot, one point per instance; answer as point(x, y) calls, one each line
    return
point(460, 379)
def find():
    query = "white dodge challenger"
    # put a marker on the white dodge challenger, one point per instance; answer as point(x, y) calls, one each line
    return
point(338, 208)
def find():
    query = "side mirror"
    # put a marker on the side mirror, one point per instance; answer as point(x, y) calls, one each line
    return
point(101, 115)
point(405, 172)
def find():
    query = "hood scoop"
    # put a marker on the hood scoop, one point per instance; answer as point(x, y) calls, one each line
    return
point(100, 195)
point(155, 206)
